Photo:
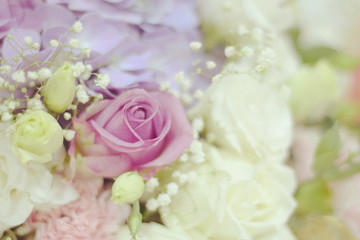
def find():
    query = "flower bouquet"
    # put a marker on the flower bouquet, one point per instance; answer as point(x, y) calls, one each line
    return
point(177, 119)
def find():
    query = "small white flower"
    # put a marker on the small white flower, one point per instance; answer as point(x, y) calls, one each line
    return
point(67, 116)
point(78, 69)
point(152, 204)
point(44, 73)
point(28, 40)
point(54, 43)
point(69, 134)
point(77, 27)
point(35, 46)
point(5, 69)
point(19, 76)
point(102, 80)
point(81, 94)
point(6, 116)
point(229, 51)
point(32, 75)
point(86, 52)
point(210, 65)
point(73, 43)
point(195, 46)
point(35, 104)
point(172, 188)
point(151, 184)
point(164, 199)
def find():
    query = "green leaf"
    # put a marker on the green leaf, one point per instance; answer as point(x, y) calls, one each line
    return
point(314, 197)
point(327, 150)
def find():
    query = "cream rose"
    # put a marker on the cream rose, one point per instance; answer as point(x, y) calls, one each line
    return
point(24, 186)
point(220, 19)
point(36, 135)
point(247, 116)
point(234, 199)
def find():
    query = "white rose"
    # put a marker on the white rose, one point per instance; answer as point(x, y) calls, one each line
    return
point(234, 199)
point(247, 116)
point(36, 136)
point(25, 186)
point(151, 231)
point(343, 32)
point(220, 19)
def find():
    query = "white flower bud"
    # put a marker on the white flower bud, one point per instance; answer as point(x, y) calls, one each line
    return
point(77, 27)
point(28, 41)
point(127, 188)
point(19, 76)
point(59, 90)
point(54, 43)
point(195, 46)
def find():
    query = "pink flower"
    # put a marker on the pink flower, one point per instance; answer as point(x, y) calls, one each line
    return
point(92, 216)
point(137, 130)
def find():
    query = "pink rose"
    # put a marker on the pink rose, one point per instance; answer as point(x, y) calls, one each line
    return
point(137, 130)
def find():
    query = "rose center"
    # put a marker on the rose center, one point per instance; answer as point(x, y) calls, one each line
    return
point(140, 113)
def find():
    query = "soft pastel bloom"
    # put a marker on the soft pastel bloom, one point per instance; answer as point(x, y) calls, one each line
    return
point(343, 35)
point(18, 13)
point(224, 19)
point(303, 151)
point(25, 186)
point(91, 216)
point(36, 136)
point(145, 14)
point(346, 199)
point(234, 199)
point(127, 188)
point(315, 92)
point(152, 231)
point(137, 130)
point(151, 57)
point(59, 90)
point(247, 116)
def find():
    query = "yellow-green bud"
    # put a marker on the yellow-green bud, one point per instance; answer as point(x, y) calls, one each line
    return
point(59, 90)
point(134, 220)
point(127, 188)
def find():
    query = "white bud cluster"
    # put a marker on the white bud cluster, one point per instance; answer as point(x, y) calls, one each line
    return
point(77, 27)
point(151, 184)
point(195, 46)
point(102, 80)
point(19, 76)
point(35, 104)
point(44, 74)
point(81, 94)
point(69, 134)
point(73, 43)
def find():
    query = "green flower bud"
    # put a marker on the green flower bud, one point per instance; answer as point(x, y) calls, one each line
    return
point(127, 188)
point(59, 90)
point(134, 220)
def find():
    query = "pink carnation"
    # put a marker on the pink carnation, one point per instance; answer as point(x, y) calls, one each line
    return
point(92, 216)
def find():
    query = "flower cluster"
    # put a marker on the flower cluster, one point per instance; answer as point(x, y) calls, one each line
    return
point(174, 119)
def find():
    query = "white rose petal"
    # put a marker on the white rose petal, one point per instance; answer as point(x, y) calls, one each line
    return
point(234, 199)
point(247, 116)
